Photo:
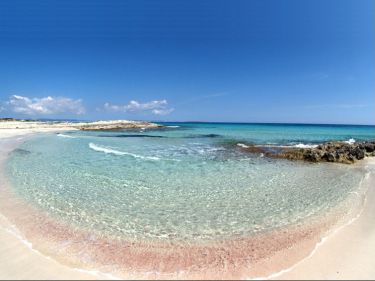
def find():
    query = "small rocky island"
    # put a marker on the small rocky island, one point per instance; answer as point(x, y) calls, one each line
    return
point(336, 151)
point(115, 125)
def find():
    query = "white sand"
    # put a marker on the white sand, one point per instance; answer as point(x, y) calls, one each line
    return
point(17, 258)
point(19, 261)
point(16, 128)
point(349, 253)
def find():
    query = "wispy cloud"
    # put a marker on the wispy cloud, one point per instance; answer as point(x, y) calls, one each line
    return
point(157, 107)
point(43, 106)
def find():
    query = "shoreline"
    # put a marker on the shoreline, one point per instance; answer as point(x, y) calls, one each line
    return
point(353, 245)
point(19, 260)
point(111, 125)
point(67, 271)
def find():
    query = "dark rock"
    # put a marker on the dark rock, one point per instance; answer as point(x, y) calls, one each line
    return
point(339, 152)
point(369, 147)
point(203, 136)
point(21, 151)
point(351, 158)
point(313, 156)
point(330, 156)
point(358, 153)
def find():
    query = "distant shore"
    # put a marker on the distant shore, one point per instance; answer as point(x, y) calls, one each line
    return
point(346, 253)
point(40, 126)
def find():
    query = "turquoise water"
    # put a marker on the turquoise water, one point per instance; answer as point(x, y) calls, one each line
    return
point(189, 183)
point(278, 133)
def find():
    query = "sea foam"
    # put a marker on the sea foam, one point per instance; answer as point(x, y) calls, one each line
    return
point(350, 141)
point(108, 150)
point(242, 145)
point(301, 145)
point(65, 136)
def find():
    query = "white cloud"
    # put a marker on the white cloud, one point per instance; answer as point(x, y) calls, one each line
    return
point(162, 111)
point(157, 107)
point(44, 106)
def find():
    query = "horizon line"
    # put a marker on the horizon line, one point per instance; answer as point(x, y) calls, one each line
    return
point(265, 123)
point(189, 121)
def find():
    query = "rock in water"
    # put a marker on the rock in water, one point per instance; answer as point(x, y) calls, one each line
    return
point(337, 151)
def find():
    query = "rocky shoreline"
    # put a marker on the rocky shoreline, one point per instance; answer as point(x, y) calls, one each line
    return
point(335, 151)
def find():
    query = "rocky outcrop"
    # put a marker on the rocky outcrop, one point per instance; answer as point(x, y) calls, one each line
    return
point(339, 152)
point(116, 125)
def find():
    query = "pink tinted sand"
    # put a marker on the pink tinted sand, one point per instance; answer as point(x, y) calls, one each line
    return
point(222, 260)
point(260, 255)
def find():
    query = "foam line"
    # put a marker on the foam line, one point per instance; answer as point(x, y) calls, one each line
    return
point(108, 150)
point(65, 136)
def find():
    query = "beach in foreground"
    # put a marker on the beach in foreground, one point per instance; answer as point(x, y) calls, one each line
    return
point(346, 253)
point(18, 260)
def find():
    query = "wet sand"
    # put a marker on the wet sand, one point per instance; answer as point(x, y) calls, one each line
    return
point(18, 260)
point(349, 253)
point(228, 260)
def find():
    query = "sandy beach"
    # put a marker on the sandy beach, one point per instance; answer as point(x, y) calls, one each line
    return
point(347, 253)
point(18, 260)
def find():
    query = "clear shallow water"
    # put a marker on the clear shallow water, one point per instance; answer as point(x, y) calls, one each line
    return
point(286, 133)
point(183, 183)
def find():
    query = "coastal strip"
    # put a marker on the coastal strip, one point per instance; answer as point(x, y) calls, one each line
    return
point(112, 125)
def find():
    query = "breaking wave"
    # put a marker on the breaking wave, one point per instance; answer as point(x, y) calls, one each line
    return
point(108, 150)
point(65, 136)
point(350, 141)
point(301, 145)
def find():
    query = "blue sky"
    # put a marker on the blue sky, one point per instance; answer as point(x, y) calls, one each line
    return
point(238, 61)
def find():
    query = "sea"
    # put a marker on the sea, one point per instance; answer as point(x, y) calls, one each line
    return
point(188, 183)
